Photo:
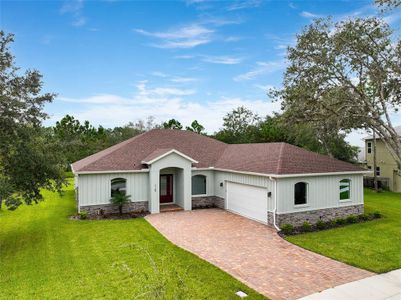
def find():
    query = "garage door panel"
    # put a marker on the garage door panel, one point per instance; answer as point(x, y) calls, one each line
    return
point(248, 201)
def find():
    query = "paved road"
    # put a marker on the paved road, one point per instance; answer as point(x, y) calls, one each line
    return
point(379, 287)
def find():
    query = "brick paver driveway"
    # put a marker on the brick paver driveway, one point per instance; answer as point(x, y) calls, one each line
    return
point(253, 253)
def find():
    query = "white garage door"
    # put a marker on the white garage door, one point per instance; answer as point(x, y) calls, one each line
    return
point(247, 200)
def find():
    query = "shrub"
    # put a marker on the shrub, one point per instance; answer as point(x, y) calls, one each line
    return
point(287, 229)
point(340, 221)
point(376, 215)
point(119, 199)
point(83, 215)
point(320, 225)
point(331, 223)
point(351, 219)
point(306, 226)
point(363, 217)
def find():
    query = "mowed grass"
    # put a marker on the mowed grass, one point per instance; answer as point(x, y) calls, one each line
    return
point(44, 255)
point(373, 245)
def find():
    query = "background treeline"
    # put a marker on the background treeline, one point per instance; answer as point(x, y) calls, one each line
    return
point(78, 140)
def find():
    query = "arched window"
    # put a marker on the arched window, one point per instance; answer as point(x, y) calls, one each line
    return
point(118, 185)
point(300, 193)
point(199, 185)
point(345, 189)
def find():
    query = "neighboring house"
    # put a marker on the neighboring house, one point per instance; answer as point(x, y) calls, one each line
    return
point(387, 171)
point(273, 183)
point(361, 157)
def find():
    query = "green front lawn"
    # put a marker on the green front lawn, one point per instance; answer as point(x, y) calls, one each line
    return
point(373, 245)
point(44, 255)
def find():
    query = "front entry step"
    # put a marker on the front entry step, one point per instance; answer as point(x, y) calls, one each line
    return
point(170, 208)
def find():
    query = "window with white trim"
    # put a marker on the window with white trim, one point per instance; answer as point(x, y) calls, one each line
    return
point(199, 185)
point(118, 185)
point(345, 189)
point(369, 145)
point(377, 171)
point(300, 193)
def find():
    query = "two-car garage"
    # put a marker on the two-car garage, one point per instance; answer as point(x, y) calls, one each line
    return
point(247, 200)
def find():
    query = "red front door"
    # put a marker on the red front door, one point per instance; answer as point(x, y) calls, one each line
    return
point(166, 188)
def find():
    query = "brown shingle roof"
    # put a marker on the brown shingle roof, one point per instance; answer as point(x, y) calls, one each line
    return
point(266, 158)
point(129, 155)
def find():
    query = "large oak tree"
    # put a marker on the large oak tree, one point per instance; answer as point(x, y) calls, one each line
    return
point(344, 76)
point(29, 161)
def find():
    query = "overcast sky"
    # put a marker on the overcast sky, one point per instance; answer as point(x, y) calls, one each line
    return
point(111, 62)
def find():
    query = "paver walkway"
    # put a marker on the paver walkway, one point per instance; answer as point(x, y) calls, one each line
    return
point(380, 287)
point(253, 253)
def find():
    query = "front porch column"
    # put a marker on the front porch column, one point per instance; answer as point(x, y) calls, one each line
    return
point(187, 178)
point(154, 193)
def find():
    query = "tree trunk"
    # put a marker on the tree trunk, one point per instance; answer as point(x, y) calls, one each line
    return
point(120, 208)
point(374, 163)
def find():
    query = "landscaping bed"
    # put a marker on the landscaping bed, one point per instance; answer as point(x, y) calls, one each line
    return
point(288, 229)
point(373, 245)
point(109, 216)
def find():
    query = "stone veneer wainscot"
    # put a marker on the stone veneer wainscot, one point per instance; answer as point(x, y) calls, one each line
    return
point(327, 214)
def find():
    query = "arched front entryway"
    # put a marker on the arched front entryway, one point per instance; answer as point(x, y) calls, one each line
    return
point(171, 186)
point(169, 180)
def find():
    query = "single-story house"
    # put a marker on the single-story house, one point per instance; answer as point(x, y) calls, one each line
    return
point(273, 183)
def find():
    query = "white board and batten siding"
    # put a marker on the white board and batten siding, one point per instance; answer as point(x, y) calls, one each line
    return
point(95, 189)
point(322, 192)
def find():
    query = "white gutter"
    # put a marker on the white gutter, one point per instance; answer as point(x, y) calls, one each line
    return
point(108, 172)
point(287, 175)
point(275, 203)
point(234, 171)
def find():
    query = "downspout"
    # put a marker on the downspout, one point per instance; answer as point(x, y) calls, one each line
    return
point(76, 189)
point(275, 203)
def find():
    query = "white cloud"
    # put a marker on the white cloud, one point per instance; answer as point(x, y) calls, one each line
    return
point(230, 39)
point(75, 8)
point(173, 78)
point(393, 17)
point(225, 60)
point(184, 37)
point(183, 79)
point(261, 69)
point(162, 92)
point(98, 99)
point(184, 56)
point(309, 15)
point(243, 4)
point(162, 103)
point(159, 74)
point(265, 87)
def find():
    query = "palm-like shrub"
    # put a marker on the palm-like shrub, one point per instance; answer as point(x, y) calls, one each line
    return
point(120, 199)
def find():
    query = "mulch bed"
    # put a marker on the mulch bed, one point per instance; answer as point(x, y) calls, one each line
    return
point(112, 216)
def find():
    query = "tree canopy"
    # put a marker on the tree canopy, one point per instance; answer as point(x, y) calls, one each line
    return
point(78, 140)
point(28, 159)
point(172, 124)
point(244, 126)
point(343, 76)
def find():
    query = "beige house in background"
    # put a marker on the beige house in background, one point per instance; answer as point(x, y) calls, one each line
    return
point(386, 169)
